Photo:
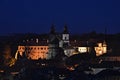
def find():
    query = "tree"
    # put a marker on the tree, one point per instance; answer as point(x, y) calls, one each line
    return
point(6, 54)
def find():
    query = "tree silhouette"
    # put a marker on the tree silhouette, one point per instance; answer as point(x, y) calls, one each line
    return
point(6, 54)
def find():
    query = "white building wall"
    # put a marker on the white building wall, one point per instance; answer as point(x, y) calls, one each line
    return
point(83, 49)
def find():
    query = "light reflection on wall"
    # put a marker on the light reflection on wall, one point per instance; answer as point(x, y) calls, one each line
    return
point(34, 52)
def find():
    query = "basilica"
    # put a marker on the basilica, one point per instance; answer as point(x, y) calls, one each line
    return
point(57, 44)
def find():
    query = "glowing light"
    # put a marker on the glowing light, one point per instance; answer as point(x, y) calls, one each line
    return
point(82, 49)
point(101, 49)
point(16, 55)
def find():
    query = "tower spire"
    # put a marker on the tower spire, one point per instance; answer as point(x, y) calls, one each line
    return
point(52, 31)
point(65, 36)
point(105, 33)
point(65, 31)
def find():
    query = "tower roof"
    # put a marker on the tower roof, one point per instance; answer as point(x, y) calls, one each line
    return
point(65, 31)
point(54, 40)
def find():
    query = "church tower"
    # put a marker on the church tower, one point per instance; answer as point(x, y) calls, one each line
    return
point(52, 33)
point(53, 44)
point(65, 36)
point(53, 48)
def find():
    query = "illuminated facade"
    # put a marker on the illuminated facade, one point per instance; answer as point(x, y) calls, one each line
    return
point(101, 48)
point(37, 52)
point(34, 50)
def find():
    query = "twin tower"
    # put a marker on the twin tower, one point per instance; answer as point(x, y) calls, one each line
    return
point(57, 42)
point(62, 37)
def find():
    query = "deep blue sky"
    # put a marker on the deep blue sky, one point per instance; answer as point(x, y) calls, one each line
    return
point(23, 16)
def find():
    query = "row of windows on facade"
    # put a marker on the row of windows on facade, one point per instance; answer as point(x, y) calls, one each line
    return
point(38, 52)
point(35, 48)
point(36, 57)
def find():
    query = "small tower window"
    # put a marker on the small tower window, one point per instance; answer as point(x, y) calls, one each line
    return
point(65, 38)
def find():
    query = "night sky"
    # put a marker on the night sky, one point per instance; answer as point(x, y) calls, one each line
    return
point(81, 16)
